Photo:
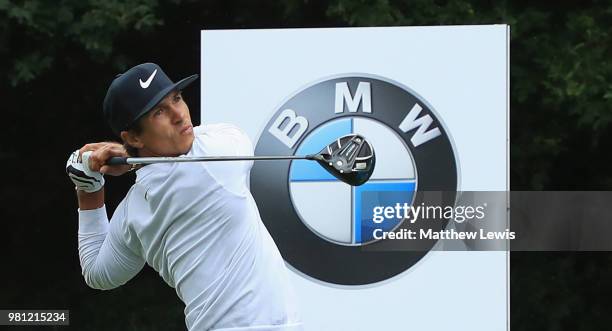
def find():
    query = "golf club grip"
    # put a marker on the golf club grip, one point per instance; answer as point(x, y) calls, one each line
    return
point(116, 160)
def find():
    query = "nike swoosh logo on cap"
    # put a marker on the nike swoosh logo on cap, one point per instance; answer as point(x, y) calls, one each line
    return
point(146, 83)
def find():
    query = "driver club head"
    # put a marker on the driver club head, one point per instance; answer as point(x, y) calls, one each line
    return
point(350, 158)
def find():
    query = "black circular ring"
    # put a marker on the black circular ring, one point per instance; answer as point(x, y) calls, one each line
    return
point(339, 264)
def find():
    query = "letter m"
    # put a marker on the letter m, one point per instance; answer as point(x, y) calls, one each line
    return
point(363, 95)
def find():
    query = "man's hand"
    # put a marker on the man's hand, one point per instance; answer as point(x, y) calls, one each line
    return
point(89, 177)
point(87, 182)
point(100, 153)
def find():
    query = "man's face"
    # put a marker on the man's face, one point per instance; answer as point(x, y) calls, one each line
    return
point(167, 128)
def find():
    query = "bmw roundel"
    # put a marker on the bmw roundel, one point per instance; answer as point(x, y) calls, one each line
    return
point(323, 227)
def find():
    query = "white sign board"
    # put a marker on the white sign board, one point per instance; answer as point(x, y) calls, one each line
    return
point(433, 101)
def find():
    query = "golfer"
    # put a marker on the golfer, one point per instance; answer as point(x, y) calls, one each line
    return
point(196, 224)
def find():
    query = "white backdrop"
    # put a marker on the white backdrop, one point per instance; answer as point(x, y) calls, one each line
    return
point(462, 71)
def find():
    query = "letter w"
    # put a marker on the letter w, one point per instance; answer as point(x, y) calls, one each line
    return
point(411, 121)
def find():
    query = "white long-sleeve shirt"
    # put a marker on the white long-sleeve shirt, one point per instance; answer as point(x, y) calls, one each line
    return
point(198, 226)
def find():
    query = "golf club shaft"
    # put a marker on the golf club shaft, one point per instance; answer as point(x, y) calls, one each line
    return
point(151, 160)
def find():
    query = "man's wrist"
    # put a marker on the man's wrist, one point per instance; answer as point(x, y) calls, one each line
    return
point(92, 200)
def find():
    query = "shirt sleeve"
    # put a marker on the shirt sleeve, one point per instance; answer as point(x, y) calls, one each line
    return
point(107, 260)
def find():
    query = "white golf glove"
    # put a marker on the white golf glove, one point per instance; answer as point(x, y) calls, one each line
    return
point(84, 179)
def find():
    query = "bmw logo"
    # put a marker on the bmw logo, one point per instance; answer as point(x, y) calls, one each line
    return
point(323, 227)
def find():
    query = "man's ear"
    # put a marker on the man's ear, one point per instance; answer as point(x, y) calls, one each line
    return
point(131, 139)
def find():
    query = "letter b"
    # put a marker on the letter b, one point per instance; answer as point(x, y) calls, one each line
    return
point(284, 134)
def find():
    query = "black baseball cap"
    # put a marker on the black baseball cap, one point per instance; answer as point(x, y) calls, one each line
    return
point(137, 91)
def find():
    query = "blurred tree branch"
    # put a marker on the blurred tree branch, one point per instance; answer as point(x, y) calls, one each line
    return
point(33, 31)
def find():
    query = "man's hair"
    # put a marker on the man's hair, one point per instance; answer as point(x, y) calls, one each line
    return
point(135, 128)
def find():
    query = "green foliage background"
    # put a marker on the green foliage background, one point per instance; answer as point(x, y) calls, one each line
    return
point(58, 57)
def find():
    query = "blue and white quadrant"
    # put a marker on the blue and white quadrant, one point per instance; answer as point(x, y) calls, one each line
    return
point(338, 212)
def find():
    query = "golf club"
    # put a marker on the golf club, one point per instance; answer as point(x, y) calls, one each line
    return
point(350, 158)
